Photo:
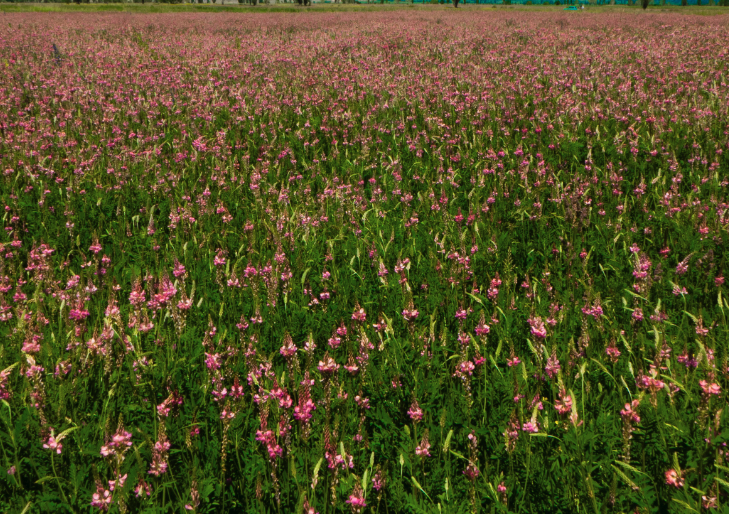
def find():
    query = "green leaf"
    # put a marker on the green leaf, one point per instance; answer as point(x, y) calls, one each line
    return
point(686, 505)
point(447, 443)
point(66, 432)
point(625, 478)
point(636, 295)
point(415, 482)
point(693, 318)
point(628, 466)
point(475, 298)
point(722, 482)
point(458, 455)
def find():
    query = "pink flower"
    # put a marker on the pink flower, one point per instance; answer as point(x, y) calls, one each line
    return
point(422, 449)
point(356, 499)
point(101, 499)
point(530, 427)
point(710, 389)
point(471, 471)
point(482, 329)
point(142, 488)
point(53, 444)
point(673, 478)
point(629, 414)
point(377, 481)
point(708, 502)
point(612, 352)
point(328, 366)
point(552, 368)
point(410, 315)
point(359, 315)
point(415, 412)
point(538, 329)
point(564, 403)
point(289, 349)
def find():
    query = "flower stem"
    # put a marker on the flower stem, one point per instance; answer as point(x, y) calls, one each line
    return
point(58, 481)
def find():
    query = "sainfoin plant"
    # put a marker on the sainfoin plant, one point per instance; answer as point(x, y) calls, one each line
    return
point(364, 262)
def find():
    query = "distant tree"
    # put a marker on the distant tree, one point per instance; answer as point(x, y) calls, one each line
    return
point(645, 3)
point(455, 4)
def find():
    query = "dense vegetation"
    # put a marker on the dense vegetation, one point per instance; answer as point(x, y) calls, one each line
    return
point(426, 262)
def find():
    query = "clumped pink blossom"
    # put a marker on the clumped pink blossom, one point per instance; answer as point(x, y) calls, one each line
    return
point(415, 412)
point(673, 478)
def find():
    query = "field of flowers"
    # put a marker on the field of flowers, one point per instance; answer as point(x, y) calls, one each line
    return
point(390, 262)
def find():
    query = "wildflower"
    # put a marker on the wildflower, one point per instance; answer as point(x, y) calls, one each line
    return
point(415, 412)
point(482, 329)
point(464, 339)
point(612, 352)
point(334, 341)
point(564, 403)
point(682, 266)
point(629, 413)
point(137, 296)
point(356, 499)
point(378, 481)
point(179, 270)
point(530, 427)
point(700, 329)
point(511, 434)
point(328, 366)
point(710, 501)
point(471, 471)
point(159, 456)
point(688, 361)
point(538, 329)
point(120, 442)
point(464, 368)
point(118, 482)
point(101, 499)
point(53, 444)
point(423, 447)
point(673, 478)
point(308, 509)
point(710, 389)
point(553, 367)
point(574, 419)
point(142, 488)
point(289, 348)
point(410, 314)
point(359, 315)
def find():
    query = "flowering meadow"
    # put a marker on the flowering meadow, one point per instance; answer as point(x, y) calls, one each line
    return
point(389, 262)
